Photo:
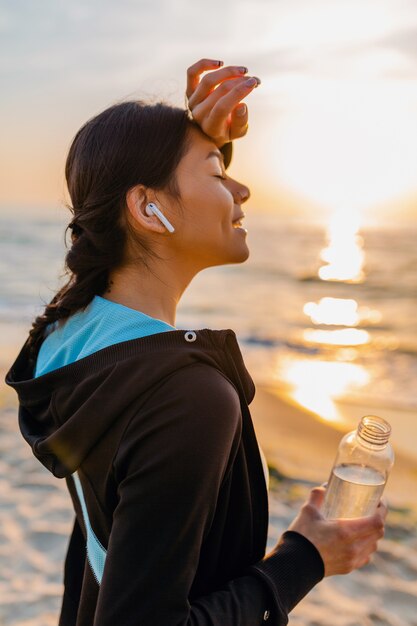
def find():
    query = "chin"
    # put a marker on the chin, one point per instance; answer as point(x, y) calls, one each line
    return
point(238, 256)
point(234, 254)
point(244, 257)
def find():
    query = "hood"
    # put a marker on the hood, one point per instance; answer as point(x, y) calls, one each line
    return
point(64, 413)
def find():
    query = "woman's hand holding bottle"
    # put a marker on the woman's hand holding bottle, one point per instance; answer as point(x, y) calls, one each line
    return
point(344, 544)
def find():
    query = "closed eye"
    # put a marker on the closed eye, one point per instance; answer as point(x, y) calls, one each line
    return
point(220, 176)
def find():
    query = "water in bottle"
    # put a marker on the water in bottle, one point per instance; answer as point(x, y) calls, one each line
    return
point(360, 471)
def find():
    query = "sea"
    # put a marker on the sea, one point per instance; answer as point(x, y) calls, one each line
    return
point(324, 312)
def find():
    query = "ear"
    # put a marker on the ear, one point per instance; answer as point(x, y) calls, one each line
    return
point(136, 200)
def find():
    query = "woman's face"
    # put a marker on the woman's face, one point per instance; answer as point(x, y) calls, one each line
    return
point(207, 223)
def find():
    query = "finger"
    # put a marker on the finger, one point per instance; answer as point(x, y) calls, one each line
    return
point(239, 121)
point(227, 103)
point(365, 551)
point(364, 526)
point(382, 508)
point(205, 108)
point(316, 497)
point(377, 520)
point(209, 82)
point(194, 71)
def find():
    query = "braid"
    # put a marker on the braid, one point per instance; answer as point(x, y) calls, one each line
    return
point(88, 264)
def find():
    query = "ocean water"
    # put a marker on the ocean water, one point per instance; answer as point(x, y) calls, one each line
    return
point(328, 315)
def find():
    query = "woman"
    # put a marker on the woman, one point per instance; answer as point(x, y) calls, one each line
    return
point(150, 425)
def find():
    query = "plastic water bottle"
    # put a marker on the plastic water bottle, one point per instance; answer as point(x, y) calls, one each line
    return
point(360, 471)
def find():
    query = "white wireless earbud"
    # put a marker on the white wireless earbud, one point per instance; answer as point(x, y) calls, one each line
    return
point(152, 209)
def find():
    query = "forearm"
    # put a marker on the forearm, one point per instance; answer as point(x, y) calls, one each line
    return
point(267, 592)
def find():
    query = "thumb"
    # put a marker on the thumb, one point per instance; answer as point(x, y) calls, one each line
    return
point(239, 121)
point(316, 497)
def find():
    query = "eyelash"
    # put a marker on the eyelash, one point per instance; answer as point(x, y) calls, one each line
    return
point(219, 176)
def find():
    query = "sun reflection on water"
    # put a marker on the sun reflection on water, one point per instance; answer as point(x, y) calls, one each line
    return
point(340, 312)
point(341, 337)
point(344, 254)
point(316, 385)
point(333, 311)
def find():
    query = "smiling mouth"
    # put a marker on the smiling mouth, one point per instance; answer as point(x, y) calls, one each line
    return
point(237, 223)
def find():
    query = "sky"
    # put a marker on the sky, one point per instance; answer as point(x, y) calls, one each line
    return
point(333, 127)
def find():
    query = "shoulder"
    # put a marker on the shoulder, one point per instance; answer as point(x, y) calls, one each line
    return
point(200, 377)
point(191, 419)
point(201, 394)
point(196, 401)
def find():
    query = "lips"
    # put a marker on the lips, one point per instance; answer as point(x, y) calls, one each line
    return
point(237, 221)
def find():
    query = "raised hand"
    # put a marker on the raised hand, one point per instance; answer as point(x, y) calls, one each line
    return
point(214, 101)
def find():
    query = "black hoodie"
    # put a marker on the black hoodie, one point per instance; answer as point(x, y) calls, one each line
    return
point(160, 434)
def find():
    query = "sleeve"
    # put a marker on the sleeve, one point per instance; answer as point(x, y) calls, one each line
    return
point(170, 467)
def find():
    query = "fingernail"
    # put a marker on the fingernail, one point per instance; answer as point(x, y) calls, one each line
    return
point(241, 110)
point(243, 70)
point(251, 82)
point(258, 80)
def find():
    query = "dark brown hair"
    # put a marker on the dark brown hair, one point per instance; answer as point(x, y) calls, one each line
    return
point(127, 144)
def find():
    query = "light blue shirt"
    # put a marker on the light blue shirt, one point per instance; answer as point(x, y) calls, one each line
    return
point(101, 324)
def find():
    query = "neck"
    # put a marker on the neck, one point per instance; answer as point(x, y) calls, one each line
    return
point(155, 291)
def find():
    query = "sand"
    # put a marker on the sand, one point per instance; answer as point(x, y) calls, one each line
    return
point(36, 518)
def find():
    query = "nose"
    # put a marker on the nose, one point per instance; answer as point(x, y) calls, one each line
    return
point(239, 191)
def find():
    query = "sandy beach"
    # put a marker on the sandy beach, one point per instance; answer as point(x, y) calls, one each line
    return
point(36, 518)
